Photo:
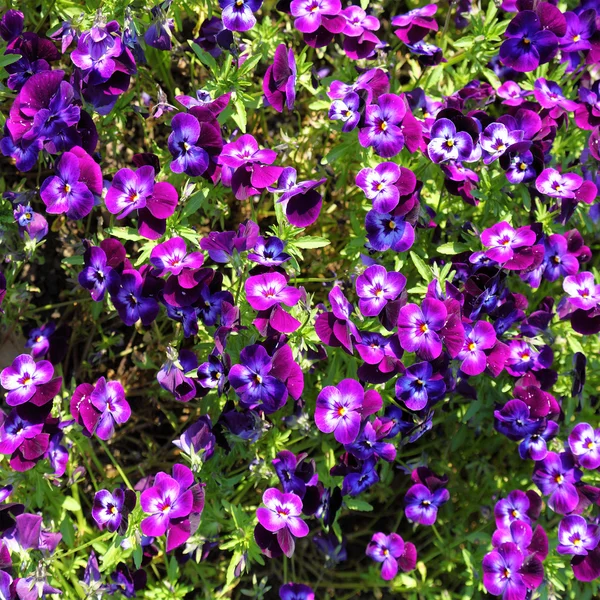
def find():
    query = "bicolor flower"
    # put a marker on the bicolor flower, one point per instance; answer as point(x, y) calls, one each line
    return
point(422, 504)
point(382, 129)
point(558, 185)
point(502, 240)
point(447, 144)
point(109, 398)
point(111, 510)
point(368, 445)
point(419, 386)
point(584, 442)
point(414, 25)
point(534, 445)
point(556, 476)
point(549, 95)
point(495, 140)
point(577, 536)
point(418, 328)
point(24, 378)
point(238, 15)
point(376, 287)
point(346, 110)
point(268, 252)
point(281, 515)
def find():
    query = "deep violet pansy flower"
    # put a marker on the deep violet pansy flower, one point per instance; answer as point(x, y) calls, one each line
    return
point(253, 383)
point(238, 15)
point(23, 378)
point(584, 442)
point(509, 573)
point(109, 398)
point(418, 328)
point(582, 289)
point(127, 293)
point(269, 252)
point(71, 190)
point(422, 504)
point(296, 591)
point(447, 144)
point(577, 536)
point(478, 337)
point(339, 409)
point(382, 129)
point(111, 510)
point(270, 289)
point(529, 44)
point(419, 386)
point(392, 552)
point(389, 230)
point(376, 287)
point(535, 445)
point(172, 257)
point(188, 156)
point(556, 476)
point(300, 199)
point(281, 515)
point(279, 83)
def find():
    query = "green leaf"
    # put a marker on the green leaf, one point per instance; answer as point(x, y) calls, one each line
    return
point(205, 58)
point(239, 116)
point(73, 260)
point(452, 248)
point(355, 504)
point(194, 203)
point(69, 503)
point(9, 59)
point(310, 241)
point(421, 267)
point(125, 233)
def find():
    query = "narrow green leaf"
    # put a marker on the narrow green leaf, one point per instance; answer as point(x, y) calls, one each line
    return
point(452, 248)
point(421, 267)
point(205, 58)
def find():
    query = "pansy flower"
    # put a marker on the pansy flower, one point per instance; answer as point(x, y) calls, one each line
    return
point(111, 509)
point(376, 287)
point(268, 252)
point(108, 397)
point(393, 553)
point(419, 385)
point(583, 291)
point(279, 83)
point(478, 337)
point(382, 128)
point(281, 515)
point(577, 536)
point(565, 185)
point(131, 299)
point(418, 328)
point(172, 257)
point(556, 476)
point(584, 442)
point(346, 110)
point(447, 144)
point(238, 15)
point(414, 25)
point(422, 503)
point(496, 139)
point(267, 290)
point(310, 14)
point(28, 381)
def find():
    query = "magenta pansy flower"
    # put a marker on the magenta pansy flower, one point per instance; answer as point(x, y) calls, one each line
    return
point(109, 398)
point(582, 289)
point(584, 442)
point(479, 337)
point(392, 552)
point(172, 257)
point(376, 287)
point(23, 377)
point(269, 289)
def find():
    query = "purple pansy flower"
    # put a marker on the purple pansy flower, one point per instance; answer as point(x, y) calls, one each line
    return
point(94, 275)
point(556, 476)
point(279, 83)
point(447, 144)
point(109, 398)
point(392, 552)
point(580, 29)
point(309, 13)
point(514, 420)
point(281, 515)
point(268, 252)
point(346, 110)
point(418, 328)
point(238, 14)
point(495, 140)
point(197, 442)
point(584, 442)
point(339, 410)
point(23, 378)
point(414, 25)
point(253, 383)
point(422, 504)
point(534, 445)
point(517, 506)
point(367, 445)
point(171, 503)
point(172, 257)
point(111, 510)
point(70, 190)
point(130, 190)
point(502, 240)
point(549, 95)
point(566, 185)
point(508, 572)
point(559, 260)
point(376, 287)
point(389, 230)
point(301, 201)
point(270, 289)
point(188, 156)
point(577, 536)
point(582, 289)
point(529, 44)
point(294, 472)
point(385, 184)
point(419, 386)
point(127, 294)
point(479, 337)
point(382, 129)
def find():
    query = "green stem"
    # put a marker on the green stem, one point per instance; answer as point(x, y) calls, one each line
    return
point(100, 538)
point(116, 465)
